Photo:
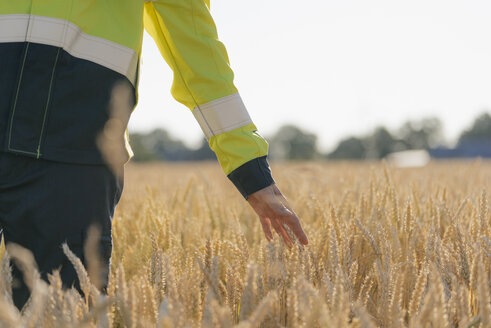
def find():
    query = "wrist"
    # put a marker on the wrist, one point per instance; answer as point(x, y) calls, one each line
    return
point(252, 176)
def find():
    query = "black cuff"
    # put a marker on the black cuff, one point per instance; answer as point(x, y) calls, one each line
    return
point(252, 176)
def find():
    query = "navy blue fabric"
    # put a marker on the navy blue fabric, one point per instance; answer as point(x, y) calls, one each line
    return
point(44, 204)
point(10, 59)
point(58, 103)
point(31, 101)
point(252, 176)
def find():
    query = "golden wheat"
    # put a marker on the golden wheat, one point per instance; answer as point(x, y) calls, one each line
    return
point(388, 247)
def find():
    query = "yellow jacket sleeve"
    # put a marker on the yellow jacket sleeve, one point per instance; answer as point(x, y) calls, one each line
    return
point(186, 35)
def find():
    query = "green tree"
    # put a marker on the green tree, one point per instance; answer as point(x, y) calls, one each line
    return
point(423, 134)
point(140, 149)
point(204, 152)
point(350, 148)
point(480, 129)
point(380, 143)
point(158, 145)
point(292, 143)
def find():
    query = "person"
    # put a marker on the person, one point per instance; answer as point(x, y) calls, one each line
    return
point(68, 85)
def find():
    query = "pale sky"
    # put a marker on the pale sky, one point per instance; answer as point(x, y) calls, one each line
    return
point(339, 67)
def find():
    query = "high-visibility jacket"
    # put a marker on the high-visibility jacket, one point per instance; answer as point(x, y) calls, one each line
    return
point(69, 77)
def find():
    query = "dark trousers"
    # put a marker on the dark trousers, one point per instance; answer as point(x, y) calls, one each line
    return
point(44, 204)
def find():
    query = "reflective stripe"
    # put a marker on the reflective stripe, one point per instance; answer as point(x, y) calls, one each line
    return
point(222, 115)
point(64, 34)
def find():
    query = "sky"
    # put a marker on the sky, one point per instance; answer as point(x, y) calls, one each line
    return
point(339, 68)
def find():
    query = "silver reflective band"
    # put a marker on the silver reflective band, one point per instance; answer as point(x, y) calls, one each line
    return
point(64, 34)
point(222, 115)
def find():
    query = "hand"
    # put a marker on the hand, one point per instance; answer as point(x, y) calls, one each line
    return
point(273, 210)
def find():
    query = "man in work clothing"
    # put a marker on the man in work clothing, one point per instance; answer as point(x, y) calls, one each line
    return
point(68, 84)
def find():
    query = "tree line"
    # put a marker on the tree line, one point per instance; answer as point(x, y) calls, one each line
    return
point(293, 143)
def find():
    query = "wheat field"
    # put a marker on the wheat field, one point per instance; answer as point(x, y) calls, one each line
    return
point(388, 247)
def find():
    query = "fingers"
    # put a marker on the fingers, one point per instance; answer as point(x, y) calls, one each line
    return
point(293, 223)
point(291, 219)
point(266, 224)
point(281, 231)
point(287, 216)
point(279, 216)
point(273, 209)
